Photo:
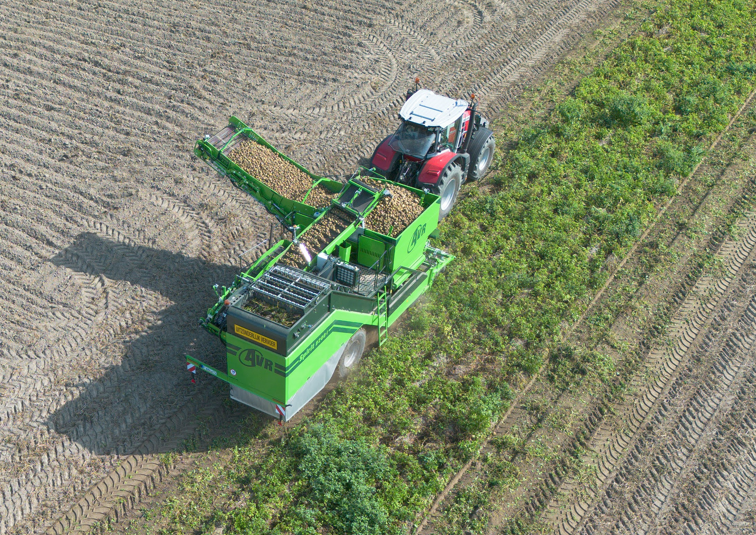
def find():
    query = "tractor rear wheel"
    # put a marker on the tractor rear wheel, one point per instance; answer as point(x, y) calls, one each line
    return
point(352, 353)
point(447, 188)
point(482, 149)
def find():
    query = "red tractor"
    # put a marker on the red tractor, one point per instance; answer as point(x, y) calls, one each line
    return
point(441, 143)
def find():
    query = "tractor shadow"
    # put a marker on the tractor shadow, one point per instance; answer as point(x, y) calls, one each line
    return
point(364, 162)
point(145, 401)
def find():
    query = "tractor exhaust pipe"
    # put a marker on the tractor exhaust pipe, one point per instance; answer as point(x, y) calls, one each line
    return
point(472, 124)
point(411, 91)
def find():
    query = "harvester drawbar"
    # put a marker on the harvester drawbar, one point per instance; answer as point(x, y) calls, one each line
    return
point(303, 311)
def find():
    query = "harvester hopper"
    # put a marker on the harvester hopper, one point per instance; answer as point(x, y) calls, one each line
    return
point(305, 308)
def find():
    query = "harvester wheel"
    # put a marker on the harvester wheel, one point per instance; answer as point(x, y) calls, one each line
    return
point(447, 188)
point(482, 149)
point(352, 353)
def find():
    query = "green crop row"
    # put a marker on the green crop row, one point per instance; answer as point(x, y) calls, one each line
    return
point(572, 195)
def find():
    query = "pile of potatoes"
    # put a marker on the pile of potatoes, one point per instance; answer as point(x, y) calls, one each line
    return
point(278, 174)
point(318, 236)
point(274, 313)
point(393, 214)
point(320, 197)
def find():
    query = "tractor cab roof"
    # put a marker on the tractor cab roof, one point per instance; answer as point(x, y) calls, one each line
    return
point(429, 109)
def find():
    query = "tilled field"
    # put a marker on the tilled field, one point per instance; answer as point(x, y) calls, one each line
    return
point(111, 233)
point(687, 436)
point(676, 455)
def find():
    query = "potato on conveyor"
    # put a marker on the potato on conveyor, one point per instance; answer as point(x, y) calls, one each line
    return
point(278, 174)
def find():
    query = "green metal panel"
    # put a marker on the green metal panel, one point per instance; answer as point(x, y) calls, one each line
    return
point(345, 252)
point(410, 244)
point(370, 251)
point(352, 303)
point(256, 368)
point(320, 346)
point(413, 280)
point(277, 378)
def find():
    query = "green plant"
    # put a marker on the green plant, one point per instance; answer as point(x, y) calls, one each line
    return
point(341, 476)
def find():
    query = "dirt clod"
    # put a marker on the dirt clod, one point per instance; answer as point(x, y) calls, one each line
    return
point(105, 314)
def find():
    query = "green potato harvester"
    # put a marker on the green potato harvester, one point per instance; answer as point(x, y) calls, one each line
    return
point(296, 316)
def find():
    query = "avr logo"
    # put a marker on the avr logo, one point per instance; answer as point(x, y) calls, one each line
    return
point(419, 233)
point(252, 358)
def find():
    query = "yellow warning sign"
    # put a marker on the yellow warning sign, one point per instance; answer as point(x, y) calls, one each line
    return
point(260, 339)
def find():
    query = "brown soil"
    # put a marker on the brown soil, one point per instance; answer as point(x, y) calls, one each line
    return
point(111, 232)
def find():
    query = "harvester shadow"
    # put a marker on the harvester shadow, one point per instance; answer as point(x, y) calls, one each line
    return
point(145, 402)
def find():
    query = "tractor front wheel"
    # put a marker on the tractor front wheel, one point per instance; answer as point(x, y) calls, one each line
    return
point(482, 150)
point(352, 353)
point(447, 188)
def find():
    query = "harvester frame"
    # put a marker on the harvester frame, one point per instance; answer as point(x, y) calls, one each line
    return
point(295, 317)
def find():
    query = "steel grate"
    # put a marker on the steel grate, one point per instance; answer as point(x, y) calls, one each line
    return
point(291, 287)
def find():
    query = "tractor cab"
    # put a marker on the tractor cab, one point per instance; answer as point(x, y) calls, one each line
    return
point(440, 143)
point(414, 140)
point(430, 124)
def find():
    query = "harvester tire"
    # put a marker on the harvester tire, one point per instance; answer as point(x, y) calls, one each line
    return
point(352, 354)
point(482, 149)
point(447, 188)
